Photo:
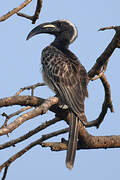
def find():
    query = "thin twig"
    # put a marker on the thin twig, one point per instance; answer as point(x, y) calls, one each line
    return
point(32, 87)
point(5, 173)
point(116, 28)
point(15, 10)
point(106, 28)
point(13, 114)
point(36, 14)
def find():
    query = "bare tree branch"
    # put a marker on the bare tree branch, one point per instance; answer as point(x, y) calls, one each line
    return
point(104, 57)
point(21, 100)
point(110, 27)
point(15, 10)
point(43, 108)
point(32, 87)
point(36, 14)
point(101, 72)
point(107, 104)
point(96, 142)
point(102, 62)
point(31, 145)
point(30, 133)
point(5, 173)
point(92, 142)
point(13, 114)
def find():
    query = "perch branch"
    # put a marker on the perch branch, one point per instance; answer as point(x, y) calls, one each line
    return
point(15, 10)
point(32, 101)
point(36, 14)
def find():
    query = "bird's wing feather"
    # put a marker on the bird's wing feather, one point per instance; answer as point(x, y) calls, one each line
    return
point(69, 81)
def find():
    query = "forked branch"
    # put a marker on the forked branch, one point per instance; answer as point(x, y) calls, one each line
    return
point(21, 6)
point(15, 10)
point(36, 14)
point(42, 109)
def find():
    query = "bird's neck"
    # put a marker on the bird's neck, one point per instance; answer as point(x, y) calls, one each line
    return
point(60, 43)
point(63, 46)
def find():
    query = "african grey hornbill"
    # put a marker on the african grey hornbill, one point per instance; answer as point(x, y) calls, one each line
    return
point(65, 75)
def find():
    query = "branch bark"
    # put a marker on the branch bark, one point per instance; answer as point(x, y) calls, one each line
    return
point(100, 142)
point(107, 104)
point(42, 109)
point(15, 10)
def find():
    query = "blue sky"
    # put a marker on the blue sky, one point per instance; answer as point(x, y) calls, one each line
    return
point(20, 66)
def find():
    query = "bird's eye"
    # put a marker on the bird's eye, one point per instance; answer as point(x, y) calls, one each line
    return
point(59, 24)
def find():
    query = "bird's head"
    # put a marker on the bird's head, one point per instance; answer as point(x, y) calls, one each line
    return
point(63, 30)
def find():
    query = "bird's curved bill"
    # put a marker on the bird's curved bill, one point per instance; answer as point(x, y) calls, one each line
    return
point(42, 28)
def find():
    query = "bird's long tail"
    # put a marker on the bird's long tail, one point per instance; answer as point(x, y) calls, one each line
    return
point(72, 142)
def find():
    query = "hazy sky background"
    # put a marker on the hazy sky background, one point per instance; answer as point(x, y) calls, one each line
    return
point(20, 66)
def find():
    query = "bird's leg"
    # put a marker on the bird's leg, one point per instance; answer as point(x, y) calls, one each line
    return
point(61, 104)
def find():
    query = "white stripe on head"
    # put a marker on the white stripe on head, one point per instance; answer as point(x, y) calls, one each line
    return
point(74, 28)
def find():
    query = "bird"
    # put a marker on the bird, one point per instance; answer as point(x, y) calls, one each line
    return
point(65, 75)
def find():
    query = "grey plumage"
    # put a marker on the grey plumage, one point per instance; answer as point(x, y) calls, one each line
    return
point(65, 75)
